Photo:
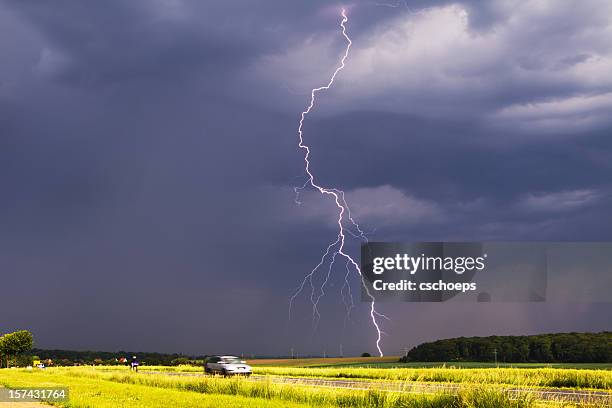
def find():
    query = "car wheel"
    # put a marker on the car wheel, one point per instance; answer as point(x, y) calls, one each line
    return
point(207, 370)
point(225, 373)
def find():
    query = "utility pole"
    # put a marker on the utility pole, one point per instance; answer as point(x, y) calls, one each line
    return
point(405, 351)
point(324, 353)
point(292, 353)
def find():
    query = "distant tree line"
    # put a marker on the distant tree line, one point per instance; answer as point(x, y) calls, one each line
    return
point(543, 348)
point(71, 357)
point(12, 347)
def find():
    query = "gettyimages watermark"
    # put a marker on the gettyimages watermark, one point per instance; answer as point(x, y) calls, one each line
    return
point(487, 271)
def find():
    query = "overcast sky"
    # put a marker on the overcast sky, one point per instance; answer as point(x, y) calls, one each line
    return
point(148, 155)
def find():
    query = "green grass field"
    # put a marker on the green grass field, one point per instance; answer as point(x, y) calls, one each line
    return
point(530, 377)
point(92, 388)
point(116, 386)
point(527, 376)
point(91, 391)
point(393, 362)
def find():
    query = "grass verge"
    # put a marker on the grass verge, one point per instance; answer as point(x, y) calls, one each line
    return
point(97, 389)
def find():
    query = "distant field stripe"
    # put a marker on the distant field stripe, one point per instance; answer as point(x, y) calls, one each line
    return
point(304, 362)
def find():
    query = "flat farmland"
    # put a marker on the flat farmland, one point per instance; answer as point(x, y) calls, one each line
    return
point(328, 383)
point(393, 362)
point(309, 362)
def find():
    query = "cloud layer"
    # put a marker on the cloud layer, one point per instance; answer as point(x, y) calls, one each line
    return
point(148, 154)
point(539, 62)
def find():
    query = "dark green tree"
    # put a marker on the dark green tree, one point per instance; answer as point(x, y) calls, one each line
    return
point(15, 343)
point(544, 348)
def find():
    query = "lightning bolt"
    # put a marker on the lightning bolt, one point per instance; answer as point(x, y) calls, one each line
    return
point(337, 247)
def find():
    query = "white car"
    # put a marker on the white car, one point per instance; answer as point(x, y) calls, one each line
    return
point(227, 365)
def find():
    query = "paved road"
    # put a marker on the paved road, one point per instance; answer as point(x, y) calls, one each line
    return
point(548, 394)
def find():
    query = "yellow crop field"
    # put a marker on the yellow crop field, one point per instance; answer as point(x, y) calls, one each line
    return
point(283, 386)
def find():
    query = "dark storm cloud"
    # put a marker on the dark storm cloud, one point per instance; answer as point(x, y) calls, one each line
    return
point(131, 41)
point(160, 39)
point(148, 157)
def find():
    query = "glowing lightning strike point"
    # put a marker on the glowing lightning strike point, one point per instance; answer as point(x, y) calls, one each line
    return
point(344, 213)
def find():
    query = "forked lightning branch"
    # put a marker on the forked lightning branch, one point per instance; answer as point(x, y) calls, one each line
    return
point(337, 247)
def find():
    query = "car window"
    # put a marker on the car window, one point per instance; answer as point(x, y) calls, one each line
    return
point(232, 360)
